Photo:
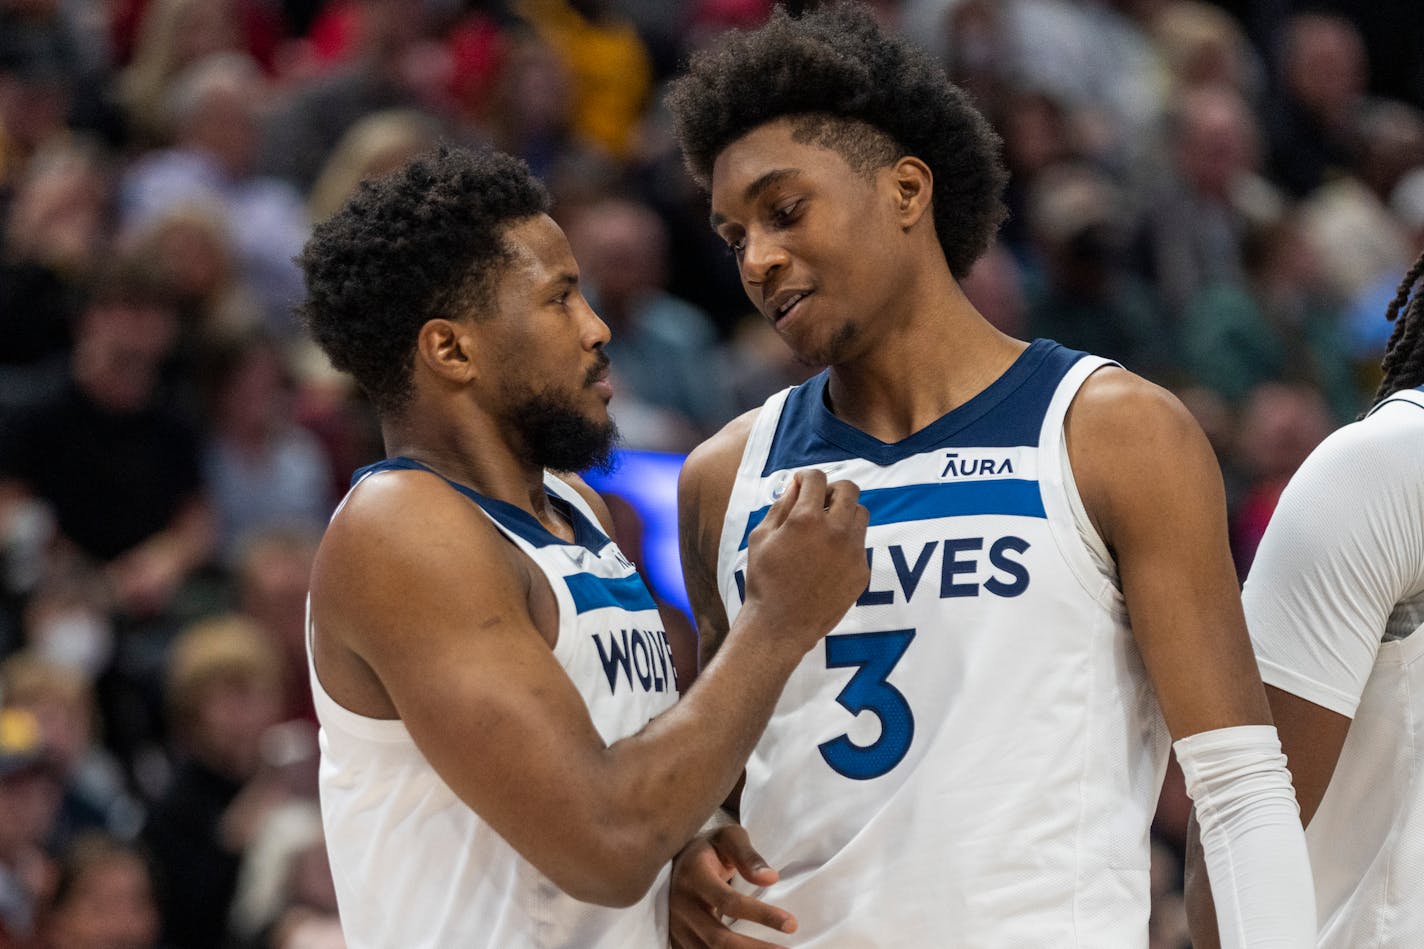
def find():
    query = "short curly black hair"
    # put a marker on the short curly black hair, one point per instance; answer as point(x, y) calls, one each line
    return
point(841, 79)
point(424, 241)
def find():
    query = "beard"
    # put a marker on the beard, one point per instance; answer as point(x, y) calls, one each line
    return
point(552, 433)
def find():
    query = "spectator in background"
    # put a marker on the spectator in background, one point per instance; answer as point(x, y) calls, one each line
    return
point(1197, 214)
point(52, 240)
point(1279, 326)
point(1084, 295)
point(189, 246)
point(273, 572)
point(63, 704)
point(1348, 218)
point(286, 897)
point(116, 465)
point(214, 104)
point(664, 350)
point(224, 691)
point(45, 80)
point(1280, 426)
point(1097, 57)
point(1203, 47)
point(29, 801)
point(1391, 144)
point(1355, 237)
point(261, 468)
point(610, 68)
point(103, 898)
point(172, 36)
point(1320, 88)
point(378, 70)
point(1038, 135)
point(531, 112)
point(309, 920)
point(1367, 334)
point(378, 143)
point(995, 287)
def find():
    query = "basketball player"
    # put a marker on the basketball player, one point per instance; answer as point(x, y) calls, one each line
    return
point(974, 755)
point(502, 761)
point(1335, 605)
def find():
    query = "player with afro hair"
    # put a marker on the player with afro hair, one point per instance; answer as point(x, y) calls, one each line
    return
point(849, 87)
point(926, 781)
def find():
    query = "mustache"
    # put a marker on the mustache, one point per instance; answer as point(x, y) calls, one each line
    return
point(598, 370)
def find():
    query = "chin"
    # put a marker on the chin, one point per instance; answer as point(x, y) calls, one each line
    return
point(819, 353)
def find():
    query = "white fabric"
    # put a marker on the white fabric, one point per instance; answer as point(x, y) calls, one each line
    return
point(1335, 605)
point(1251, 836)
point(1019, 813)
point(415, 868)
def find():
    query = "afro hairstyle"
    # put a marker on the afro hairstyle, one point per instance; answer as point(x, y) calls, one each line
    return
point(848, 86)
point(422, 242)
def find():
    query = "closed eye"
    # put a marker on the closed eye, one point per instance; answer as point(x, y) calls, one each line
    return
point(786, 213)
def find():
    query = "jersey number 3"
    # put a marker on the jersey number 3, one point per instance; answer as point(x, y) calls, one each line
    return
point(873, 655)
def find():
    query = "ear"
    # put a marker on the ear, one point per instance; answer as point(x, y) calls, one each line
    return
point(447, 348)
point(913, 184)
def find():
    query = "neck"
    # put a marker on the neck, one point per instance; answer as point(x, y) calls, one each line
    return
point(941, 355)
point(476, 454)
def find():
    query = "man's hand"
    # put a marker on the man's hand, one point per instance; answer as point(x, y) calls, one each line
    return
point(702, 893)
point(806, 560)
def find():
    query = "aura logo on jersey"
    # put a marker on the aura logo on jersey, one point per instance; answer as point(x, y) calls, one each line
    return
point(642, 656)
point(957, 467)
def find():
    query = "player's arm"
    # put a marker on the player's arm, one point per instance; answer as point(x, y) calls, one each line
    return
point(1152, 487)
point(418, 584)
point(704, 489)
point(702, 893)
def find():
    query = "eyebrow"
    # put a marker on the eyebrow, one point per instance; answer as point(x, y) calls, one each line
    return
point(755, 190)
point(566, 279)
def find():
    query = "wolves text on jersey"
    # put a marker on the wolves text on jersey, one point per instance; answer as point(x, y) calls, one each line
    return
point(965, 568)
point(643, 656)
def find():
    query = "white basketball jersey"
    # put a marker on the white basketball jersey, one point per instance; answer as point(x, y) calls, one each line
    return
point(414, 866)
point(973, 755)
point(1344, 628)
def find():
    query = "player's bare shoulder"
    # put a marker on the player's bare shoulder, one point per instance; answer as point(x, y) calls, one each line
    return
point(705, 483)
point(397, 529)
point(1125, 432)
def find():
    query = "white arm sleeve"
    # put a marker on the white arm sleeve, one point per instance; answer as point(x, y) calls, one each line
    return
point(1346, 543)
point(1251, 836)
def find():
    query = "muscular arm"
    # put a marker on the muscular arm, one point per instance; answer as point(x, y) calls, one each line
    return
point(418, 585)
point(1151, 485)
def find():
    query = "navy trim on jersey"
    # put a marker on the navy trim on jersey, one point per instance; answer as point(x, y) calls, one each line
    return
point(517, 520)
point(809, 434)
point(925, 502)
point(592, 592)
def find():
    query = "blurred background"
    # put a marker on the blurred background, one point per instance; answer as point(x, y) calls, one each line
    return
point(1223, 196)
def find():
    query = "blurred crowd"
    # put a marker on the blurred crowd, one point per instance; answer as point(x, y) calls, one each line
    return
point(1221, 196)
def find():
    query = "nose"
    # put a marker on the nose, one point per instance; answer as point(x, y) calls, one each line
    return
point(762, 256)
point(595, 332)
